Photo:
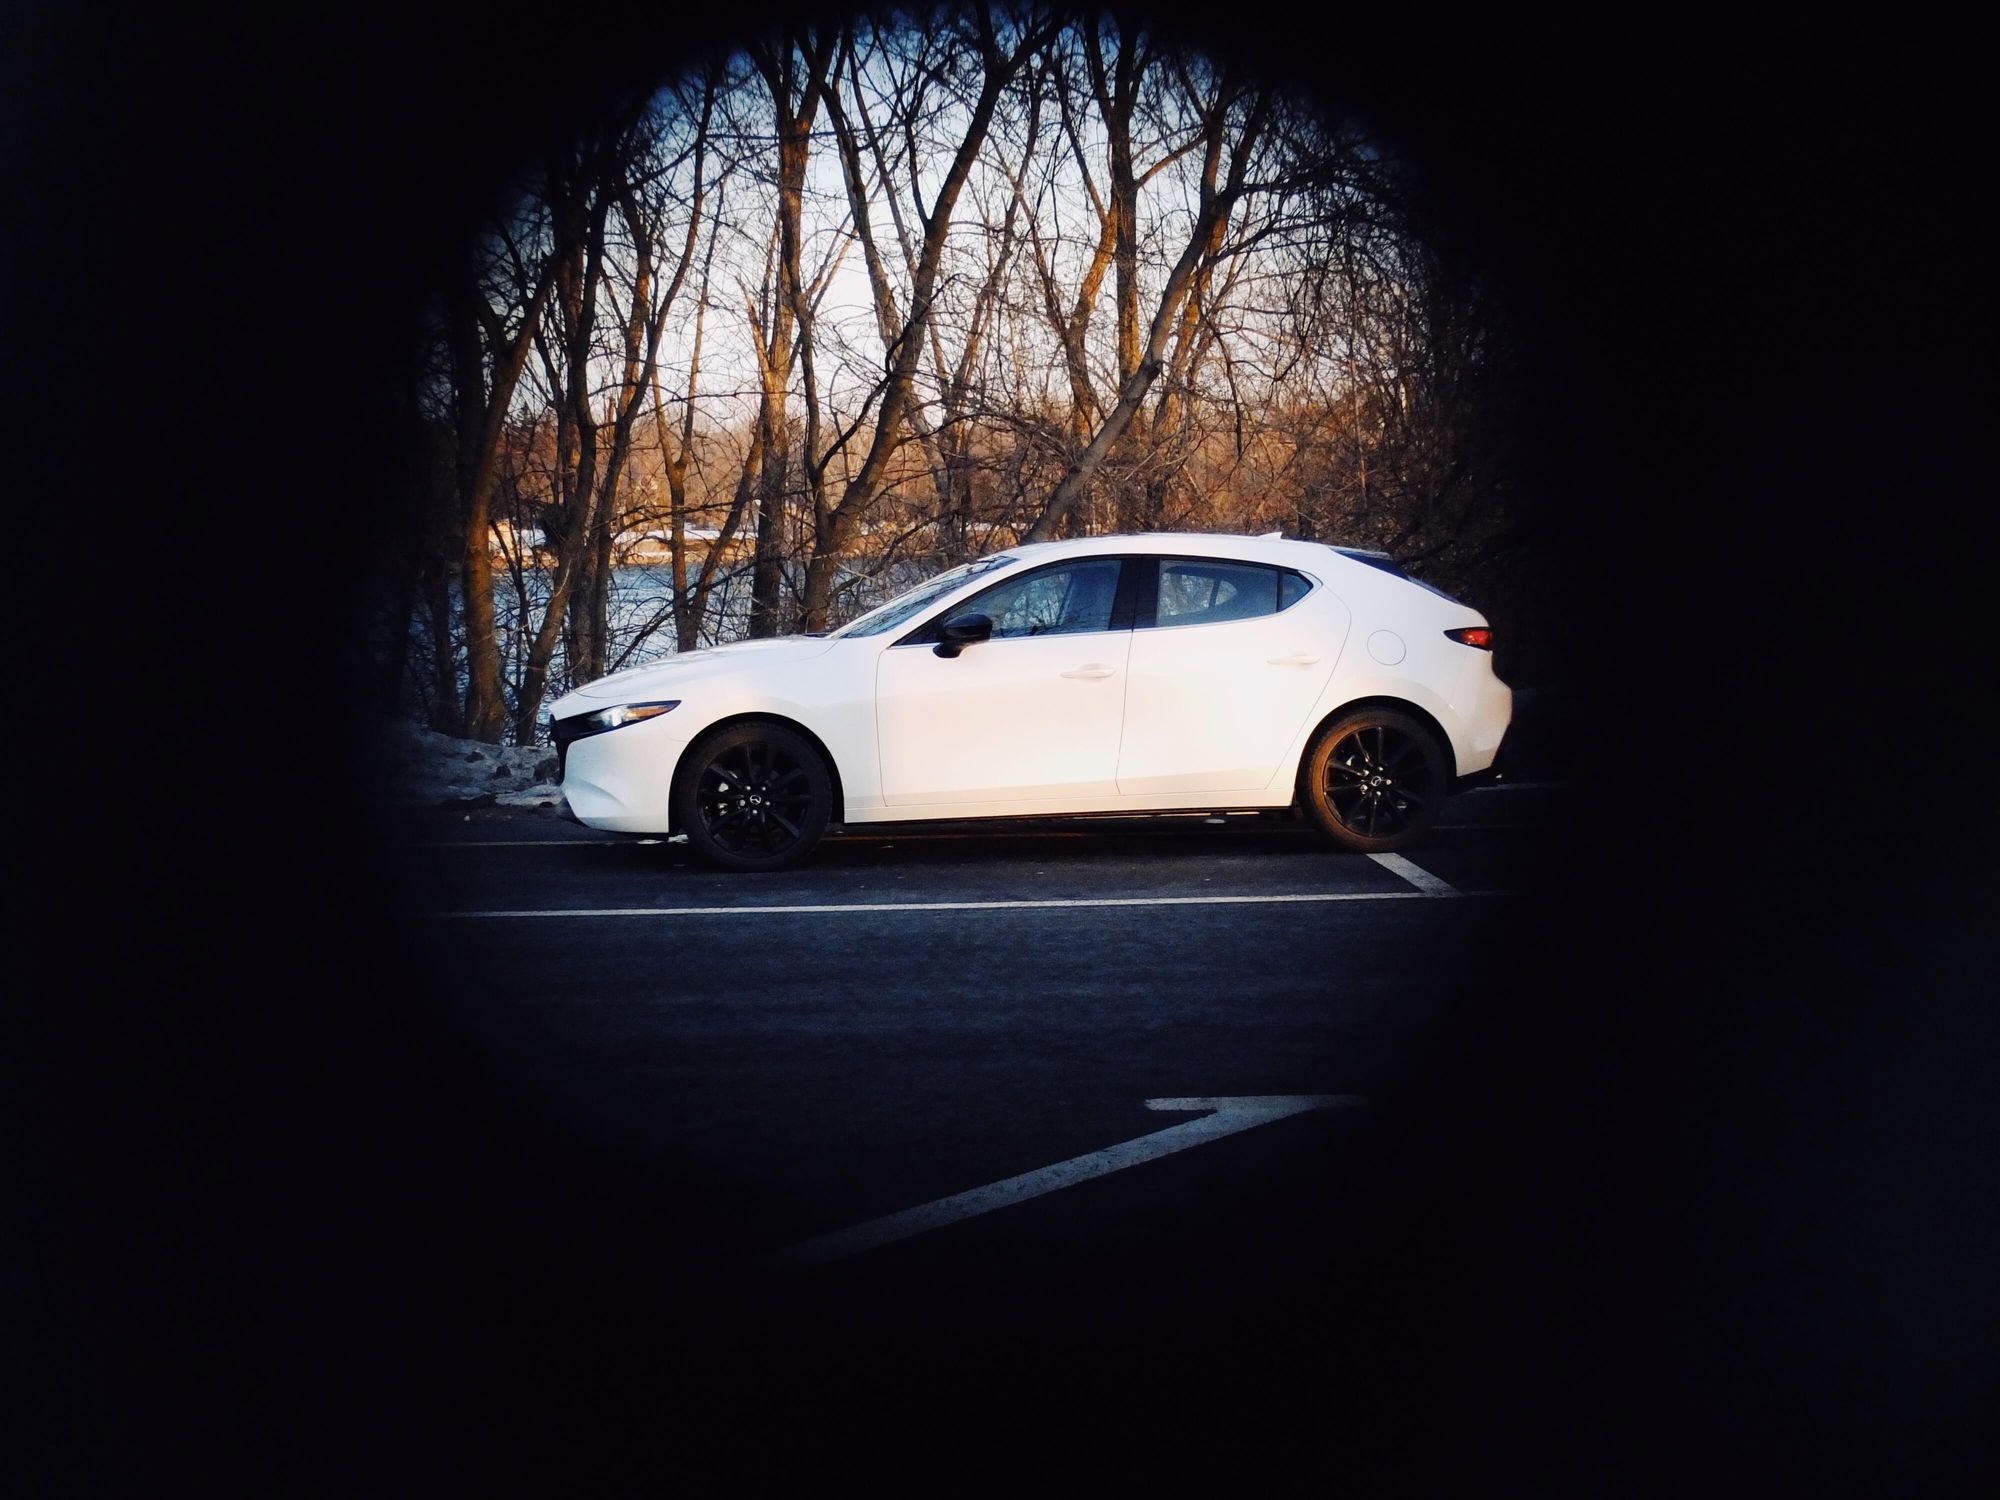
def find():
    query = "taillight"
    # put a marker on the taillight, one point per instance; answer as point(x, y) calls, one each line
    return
point(1480, 636)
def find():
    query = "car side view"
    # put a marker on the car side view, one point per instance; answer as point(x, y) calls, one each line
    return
point(1110, 675)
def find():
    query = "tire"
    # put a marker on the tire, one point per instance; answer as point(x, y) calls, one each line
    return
point(1375, 780)
point(753, 796)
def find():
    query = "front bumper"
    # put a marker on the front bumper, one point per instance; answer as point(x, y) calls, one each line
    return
point(621, 781)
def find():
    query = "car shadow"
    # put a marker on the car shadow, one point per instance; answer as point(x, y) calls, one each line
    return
point(1070, 842)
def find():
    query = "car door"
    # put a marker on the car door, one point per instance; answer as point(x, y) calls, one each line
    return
point(1033, 714)
point(1227, 660)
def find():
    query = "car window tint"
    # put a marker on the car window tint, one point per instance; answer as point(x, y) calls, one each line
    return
point(1210, 593)
point(888, 616)
point(1057, 601)
point(1292, 587)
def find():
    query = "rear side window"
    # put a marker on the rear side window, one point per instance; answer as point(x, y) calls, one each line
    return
point(1204, 591)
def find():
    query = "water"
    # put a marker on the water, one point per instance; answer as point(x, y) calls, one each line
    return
point(640, 613)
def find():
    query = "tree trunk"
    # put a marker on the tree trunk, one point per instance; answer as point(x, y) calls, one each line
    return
point(446, 715)
point(482, 398)
point(599, 632)
point(794, 82)
point(485, 700)
point(829, 546)
point(746, 486)
point(766, 573)
point(402, 616)
point(677, 549)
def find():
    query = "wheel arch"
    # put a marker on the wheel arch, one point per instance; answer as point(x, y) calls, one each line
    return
point(1375, 700)
point(784, 721)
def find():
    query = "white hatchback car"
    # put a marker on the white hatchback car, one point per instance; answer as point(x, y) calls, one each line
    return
point(1120, 675)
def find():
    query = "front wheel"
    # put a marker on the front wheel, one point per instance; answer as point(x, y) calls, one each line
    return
point(1375, 779)
point(753, 797)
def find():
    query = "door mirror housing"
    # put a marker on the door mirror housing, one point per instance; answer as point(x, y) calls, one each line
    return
point(961, 631)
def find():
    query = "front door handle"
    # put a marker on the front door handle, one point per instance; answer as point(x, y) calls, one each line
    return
point(1296, 659)
point(1090, 669)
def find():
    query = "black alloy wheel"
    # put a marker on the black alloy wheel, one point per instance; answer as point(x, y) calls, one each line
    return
point(753, 796)
point(1376, 779)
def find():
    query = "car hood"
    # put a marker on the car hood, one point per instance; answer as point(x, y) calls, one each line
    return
point(669, 678)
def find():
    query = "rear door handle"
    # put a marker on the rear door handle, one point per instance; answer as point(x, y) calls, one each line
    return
point(1296, 659)
point(1090, 669)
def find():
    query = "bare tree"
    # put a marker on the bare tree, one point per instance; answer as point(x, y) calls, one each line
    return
point(1052, 276)
point(1233, 116)
point(904, 336)
point(947, 440)
point(622, 178)
point(488, 347)
point(689, 606)
point(795, 77)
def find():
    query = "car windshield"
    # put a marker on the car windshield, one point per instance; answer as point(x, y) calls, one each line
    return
point(900, 608)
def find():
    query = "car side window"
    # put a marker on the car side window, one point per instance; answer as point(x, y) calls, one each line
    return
point(1206, 592)
point(1053, 601)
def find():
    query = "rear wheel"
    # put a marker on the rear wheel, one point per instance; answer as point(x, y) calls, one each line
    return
point(1375, 779)
point(753, 796)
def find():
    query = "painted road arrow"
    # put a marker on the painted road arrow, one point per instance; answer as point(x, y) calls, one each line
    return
point(1220, 1117)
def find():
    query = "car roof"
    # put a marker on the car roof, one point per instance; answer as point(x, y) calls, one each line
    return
point(1270, 548)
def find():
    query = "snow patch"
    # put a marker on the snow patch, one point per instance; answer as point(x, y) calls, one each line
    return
point(420, 767)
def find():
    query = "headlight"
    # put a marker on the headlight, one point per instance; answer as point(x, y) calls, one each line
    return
point(566, 732)
point(619, 717)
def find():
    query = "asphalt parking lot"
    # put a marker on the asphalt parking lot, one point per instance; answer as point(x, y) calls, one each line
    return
point(1087, 1104)
point(919, 1012)
point(1548, 1152)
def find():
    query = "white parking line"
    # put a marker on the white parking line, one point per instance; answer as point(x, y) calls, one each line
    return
point(1227, 1117)
point(1416, 874)
point(522, 843)
point(1054, 903)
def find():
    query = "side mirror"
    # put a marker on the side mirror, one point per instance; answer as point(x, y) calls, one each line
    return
point(962, 631)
